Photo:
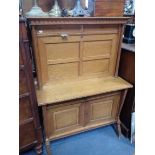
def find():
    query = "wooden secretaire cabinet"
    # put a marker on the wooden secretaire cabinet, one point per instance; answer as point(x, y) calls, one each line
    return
point(77, 63)
point(30, 134)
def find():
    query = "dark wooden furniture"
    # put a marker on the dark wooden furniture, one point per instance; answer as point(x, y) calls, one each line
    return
point(46, 5)
point(30, 134)
point(77, 63)
point(109, 8)
point(127, 71)
point(106, 8)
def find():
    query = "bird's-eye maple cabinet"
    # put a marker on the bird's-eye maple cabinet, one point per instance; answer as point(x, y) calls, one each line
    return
point(30, 133)
point(77, 63)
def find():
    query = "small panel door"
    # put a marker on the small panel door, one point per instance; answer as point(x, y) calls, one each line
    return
point(102, 108)
point(59, 58)
point(64, 118)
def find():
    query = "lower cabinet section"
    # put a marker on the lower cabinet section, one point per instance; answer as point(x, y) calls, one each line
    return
point(71, 117)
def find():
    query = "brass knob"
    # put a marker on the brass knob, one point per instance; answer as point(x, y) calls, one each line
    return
point(64, 35)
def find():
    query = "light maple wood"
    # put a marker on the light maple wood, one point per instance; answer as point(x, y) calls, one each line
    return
point(84, 46)
point(77, 61)
point(80, 115)
point(64, 118)
point(74, 58)
point(52, 93)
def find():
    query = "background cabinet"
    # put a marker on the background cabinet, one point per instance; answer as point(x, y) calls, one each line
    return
point(30, 134)
point(109, 8)
point(127, 61)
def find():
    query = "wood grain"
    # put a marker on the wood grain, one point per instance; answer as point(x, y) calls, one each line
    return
point(52, 93)
point(29, 126)
point(79, 58)
point(109, 8)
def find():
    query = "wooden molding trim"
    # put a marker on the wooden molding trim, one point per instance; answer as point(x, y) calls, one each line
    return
point(35, 21)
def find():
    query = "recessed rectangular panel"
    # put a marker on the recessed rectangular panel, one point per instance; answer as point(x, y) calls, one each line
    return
point(62, 51)
point(66, 118)
point(101, 109)
point(63, 70)
point(96, 48)
point(22, 82)
point(96, 66)
point(26, 134)
point(24, 109)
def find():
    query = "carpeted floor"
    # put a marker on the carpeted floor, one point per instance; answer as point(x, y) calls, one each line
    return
point(101, 141)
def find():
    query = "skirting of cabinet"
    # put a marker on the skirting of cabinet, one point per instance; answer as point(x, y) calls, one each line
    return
point(70, 117)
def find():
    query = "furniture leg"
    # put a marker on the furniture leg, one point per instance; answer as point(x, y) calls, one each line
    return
point(118, 118)
point(38, 149)
point(118, 125)
point(48, 149)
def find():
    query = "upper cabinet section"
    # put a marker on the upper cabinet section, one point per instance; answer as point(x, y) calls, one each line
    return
point(76, 48)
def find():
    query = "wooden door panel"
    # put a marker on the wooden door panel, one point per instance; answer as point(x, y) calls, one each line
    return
point(24, 109)
point(23, 88)
point(95, 66)
point(102, 108)
point(99, 54)
point(65, 118)
point(27, 134)
point(62, 51)
point(96, 49)
point(58, 57)
point(61, 71)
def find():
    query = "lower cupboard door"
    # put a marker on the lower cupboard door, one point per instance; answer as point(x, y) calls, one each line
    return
point(102, 109)
point(64, 119)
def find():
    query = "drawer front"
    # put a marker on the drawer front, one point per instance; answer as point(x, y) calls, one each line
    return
point(58, 29)
point(64, 118)
point(26, 135)
point(22, 82)
point(24, 109)
point(102, 108)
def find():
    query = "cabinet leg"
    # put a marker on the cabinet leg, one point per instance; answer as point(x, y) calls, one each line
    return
point(118, 125)
point(38, 149)
point(48, 149)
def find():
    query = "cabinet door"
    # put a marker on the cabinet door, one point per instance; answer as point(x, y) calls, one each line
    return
point(102, 109)
point(64, 119)
point(99, 55)
point(58, 58)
